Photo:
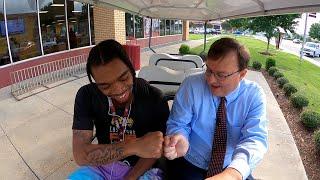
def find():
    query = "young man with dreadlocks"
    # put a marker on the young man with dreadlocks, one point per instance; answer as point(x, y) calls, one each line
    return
point(128, 114)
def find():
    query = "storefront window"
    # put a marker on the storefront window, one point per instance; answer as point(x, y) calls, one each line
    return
point(92, 24)
point(139, 27)
point(167, 27)
point(4, 55)
point(53, 25)
point(23, 29)
point(155, 27)
point(180, 26)
point(129, 26)
point(172, 27)
point(78, 24)
point(162, 27)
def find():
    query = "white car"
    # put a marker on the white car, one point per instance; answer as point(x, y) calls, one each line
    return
point(311, 49)
point(297, 41)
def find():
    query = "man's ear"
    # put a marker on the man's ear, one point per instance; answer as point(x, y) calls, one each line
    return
point(243, 73)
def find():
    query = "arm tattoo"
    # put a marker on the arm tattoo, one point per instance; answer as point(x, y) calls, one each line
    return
point(82, 136)
point(104, 155)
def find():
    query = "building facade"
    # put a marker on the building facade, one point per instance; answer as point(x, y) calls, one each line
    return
point(38, 30)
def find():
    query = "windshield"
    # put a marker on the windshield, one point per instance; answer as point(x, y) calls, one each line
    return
point(311, 45)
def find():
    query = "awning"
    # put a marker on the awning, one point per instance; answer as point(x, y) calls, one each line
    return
point(209, 9)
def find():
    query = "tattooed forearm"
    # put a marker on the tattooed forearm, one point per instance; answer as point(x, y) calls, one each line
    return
point(82, 136)
point(104, 155)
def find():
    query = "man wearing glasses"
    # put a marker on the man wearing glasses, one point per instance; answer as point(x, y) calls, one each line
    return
point(128, 114)
point(217, 128)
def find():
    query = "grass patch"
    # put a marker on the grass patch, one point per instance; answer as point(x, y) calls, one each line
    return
point(198, 36)
point(304, 75)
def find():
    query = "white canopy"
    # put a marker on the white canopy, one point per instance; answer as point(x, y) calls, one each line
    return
point(209, 9)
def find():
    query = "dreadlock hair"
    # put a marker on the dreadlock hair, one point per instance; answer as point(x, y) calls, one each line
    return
point(105, 52)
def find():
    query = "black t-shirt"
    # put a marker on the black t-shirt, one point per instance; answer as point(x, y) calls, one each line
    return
point(149, 113)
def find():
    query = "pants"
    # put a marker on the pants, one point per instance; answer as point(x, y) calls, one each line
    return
point(181, 169)
point(113, 171)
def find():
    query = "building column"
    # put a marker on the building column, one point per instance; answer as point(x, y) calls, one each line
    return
point(109, 24)
point(185, 33)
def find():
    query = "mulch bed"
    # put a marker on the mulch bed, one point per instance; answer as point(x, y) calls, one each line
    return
point(303, 137)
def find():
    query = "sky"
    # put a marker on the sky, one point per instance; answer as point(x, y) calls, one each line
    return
point(301, 23)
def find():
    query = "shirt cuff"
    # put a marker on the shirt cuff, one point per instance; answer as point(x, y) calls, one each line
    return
point(240, 164)
point(181, 131)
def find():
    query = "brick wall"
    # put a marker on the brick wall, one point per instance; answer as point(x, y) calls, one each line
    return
point(109, 24)
point(144, 42)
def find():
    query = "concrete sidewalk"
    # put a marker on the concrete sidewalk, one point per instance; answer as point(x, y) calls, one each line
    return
point(36, 134)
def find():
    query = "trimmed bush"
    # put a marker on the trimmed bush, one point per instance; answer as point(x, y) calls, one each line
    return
point(272, 70)
point(282, 81)
point(299, 101)
point(317, 139)
point(277, 75)
point(310, 119)
point(269, 63)
point(256, 65)
point(289, 89)
point(184, 49)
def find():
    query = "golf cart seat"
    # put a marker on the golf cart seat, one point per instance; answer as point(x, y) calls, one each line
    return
point(166, 79)
point(176, 62)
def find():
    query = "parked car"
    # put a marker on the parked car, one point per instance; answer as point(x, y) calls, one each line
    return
point(238, 32)
point(297, 41)
point(311, 49)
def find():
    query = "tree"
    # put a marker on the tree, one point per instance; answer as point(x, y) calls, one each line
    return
point(286, 22)
point(266, 24)
point(226, 26)
point(238, 23)
point(269, 25)
point(315, 31)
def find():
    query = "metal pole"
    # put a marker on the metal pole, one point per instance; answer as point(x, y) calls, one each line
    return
point(6, 27)
point(89, 20)
point(304, 36)
point(67, 25)
point(150, 35)
point(205, 36)
point(39, 26)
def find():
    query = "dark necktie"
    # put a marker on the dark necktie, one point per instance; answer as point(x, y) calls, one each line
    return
point(220, 141)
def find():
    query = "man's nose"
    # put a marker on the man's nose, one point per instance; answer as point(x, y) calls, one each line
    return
point(212, 79)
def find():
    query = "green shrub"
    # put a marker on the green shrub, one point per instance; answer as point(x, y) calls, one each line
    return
point(277, 75)
point(269, 63)
point(272, 70)
point(282, 81)
point(310, 119)
point(289, 89)
point(256, 65)
point(184, 49)
point(317, 139)
point(299, 101)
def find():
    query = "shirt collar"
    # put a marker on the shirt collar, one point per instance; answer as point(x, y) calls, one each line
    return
point(231, 96)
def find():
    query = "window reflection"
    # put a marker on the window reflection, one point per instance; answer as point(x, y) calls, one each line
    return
point(167, 27)
point(162, 27)
point(53, 25)
point(4, 55)
point(155, 27)
point(22, 23)
point(129, 26)
point(78, 24)
point(139, 27)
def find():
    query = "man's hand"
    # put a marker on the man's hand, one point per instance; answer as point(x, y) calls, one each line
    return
point(148, 146)
point(175, 146)
point(227, 174)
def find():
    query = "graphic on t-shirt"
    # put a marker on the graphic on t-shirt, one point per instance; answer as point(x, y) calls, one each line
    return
point(130, 133)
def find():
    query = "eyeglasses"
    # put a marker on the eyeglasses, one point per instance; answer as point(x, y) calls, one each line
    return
point(218, 75)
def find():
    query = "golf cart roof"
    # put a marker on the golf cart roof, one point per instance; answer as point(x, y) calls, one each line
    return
point(204, 10)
